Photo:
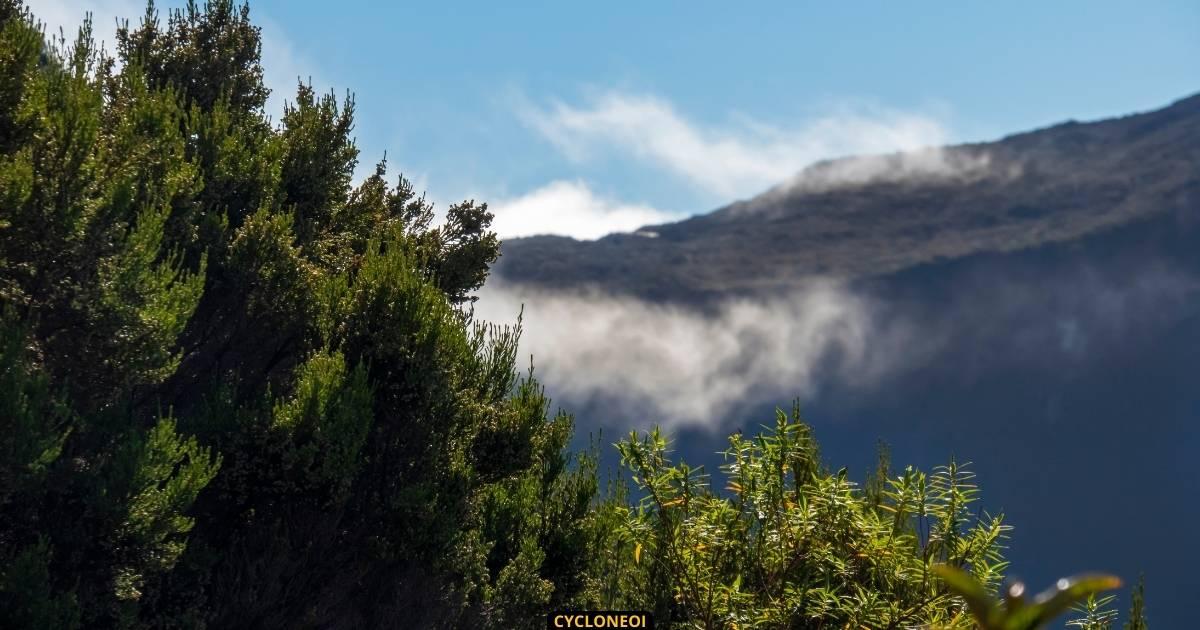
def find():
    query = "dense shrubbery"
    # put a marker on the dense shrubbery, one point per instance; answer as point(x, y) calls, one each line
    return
point(236, 391)
point(802, 544)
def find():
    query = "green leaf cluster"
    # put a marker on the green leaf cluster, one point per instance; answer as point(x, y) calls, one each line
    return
point(237, 389)
point(788, 544)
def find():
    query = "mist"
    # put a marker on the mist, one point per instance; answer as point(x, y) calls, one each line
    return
point(682, 366)
point(935, 163)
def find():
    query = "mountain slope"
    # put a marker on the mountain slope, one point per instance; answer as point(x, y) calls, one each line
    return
point(861, 217)
point(1050, 284)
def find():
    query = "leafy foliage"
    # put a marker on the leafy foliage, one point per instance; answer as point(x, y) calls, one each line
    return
point(792, 545)
point(236, 390)
point(1096, 614)
point(1137, 607)
point(1014, 613)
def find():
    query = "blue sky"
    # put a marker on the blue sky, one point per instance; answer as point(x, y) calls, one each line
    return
point(583, 118)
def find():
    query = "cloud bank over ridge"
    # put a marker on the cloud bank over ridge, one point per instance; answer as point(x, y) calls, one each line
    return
point(845, 145)
point(735, 160)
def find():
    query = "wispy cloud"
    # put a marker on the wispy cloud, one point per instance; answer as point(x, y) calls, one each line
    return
point(569, 208)
point(923, 164)
point(650, 362)
point(679, 366)
point(738, 159)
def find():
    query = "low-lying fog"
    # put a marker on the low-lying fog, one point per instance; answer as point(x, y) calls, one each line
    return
point(686, 367)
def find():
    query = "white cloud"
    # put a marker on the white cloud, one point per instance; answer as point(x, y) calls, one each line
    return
point(571, 209)
point(678, 366)
point(935, 162)
point(737, 160)
point(652, 362)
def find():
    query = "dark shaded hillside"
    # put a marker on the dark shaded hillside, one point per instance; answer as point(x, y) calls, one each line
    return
point(1066, 373)
point(1068, 377)
point(1057, 290)
point(1054, 184)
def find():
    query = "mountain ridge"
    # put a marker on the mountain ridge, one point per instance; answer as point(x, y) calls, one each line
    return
point(864, 216)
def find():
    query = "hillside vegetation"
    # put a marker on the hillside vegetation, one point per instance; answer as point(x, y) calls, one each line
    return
point(239, 391)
